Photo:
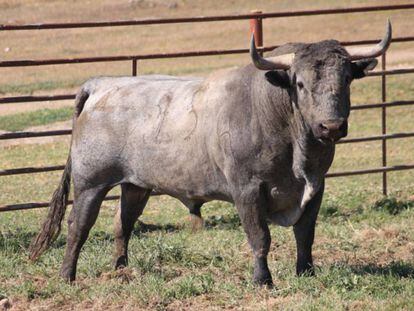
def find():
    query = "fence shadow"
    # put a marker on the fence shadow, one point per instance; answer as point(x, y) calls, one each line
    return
point(16, 240)
point(397, 269)
point(21, 239)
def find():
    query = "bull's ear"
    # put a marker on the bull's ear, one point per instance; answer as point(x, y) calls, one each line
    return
point(361, 68)
point(278, 78)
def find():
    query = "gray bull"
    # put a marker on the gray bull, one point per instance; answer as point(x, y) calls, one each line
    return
point(261, 137)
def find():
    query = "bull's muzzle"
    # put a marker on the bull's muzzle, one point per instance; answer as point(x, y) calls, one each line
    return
point(332, 130)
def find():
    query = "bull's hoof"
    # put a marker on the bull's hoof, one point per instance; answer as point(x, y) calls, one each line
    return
point(266, 282)
point(308, 272)
point(67, 275)
point(263, 278)
point(121, 262)
point(197, 223)
point(305, 270)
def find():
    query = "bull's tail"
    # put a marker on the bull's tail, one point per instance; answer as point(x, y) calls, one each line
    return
point(52, 225)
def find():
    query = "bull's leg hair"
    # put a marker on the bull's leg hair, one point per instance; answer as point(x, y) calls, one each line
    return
point(82, 217)
point(252, 211)
point(304, 231)
point(133, 201)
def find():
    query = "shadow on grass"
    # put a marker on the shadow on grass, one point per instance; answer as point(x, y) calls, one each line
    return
point(141, 227)
point(392, 206)
point(16, 240)
point(97, 236)
point(227, 222)
point(396, 269)
point(20, 240)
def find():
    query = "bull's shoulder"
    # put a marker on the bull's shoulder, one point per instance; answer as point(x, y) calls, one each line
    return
point(229, 79)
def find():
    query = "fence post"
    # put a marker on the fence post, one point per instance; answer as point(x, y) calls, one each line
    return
point(384, 123)
point(134, 67)
point(256, 27)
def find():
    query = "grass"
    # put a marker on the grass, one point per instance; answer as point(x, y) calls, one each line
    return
point(20, 121)
point(364, 247)
point(363, 257)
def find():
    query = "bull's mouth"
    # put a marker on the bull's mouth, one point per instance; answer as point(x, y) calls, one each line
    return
point(328, 141)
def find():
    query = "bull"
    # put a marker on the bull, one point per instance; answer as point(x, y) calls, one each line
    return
point(261, 137)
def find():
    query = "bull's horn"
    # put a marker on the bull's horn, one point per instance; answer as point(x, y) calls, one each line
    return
point(356, 53)
point(271, 63)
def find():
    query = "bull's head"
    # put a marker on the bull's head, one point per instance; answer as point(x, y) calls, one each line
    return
point(318, 77)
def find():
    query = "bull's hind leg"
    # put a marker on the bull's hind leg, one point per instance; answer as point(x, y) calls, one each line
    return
point(82, 217)
point(133, 201)
point(194, 207)
point(197, 222)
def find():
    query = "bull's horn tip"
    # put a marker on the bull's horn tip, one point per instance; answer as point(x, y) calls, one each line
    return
point(252, 41)
point(389, 26)
point(388, 36)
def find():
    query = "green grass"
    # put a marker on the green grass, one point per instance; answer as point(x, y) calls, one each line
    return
point(20, 121)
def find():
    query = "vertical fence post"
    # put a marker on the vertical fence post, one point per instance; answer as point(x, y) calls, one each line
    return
point(256, 27)
point(134, 67)
point(384, 123)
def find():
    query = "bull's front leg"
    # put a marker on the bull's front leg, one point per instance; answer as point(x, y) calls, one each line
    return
point(252, 211)
point(304, 231)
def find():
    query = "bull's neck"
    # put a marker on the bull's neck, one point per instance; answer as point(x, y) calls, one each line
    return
point(272, 109)
point(283, 125)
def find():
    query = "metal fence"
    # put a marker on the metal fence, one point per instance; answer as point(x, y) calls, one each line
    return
point(256, 23)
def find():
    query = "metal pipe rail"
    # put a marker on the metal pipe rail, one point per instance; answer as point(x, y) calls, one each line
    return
point(23, 206)
point(42, 98)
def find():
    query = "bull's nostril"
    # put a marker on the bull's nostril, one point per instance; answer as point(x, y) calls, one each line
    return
point(323, 127)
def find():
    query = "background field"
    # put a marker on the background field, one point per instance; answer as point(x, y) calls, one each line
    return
point(364, 248)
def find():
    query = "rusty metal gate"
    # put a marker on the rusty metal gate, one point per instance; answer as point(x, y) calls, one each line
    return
point(256, 23)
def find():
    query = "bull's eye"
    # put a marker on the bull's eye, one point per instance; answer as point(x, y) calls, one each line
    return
point(300, 85)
